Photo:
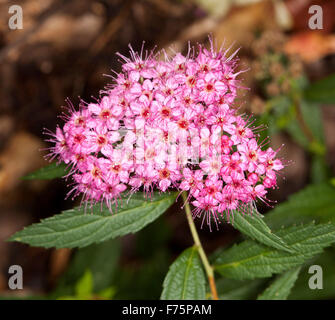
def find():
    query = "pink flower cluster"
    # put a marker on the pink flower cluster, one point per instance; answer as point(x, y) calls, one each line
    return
point(164, 124)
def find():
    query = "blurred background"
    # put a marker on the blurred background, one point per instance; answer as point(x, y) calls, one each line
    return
point(66, 49)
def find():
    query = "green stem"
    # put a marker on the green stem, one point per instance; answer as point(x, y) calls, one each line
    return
point(202, 254)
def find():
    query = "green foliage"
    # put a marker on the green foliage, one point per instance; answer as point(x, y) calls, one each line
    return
point(101, 259)
point(77, 228)
point(84, 287)
point(281, 287)
point(249, 259)
point(312, 116)
point(315, 202)
point(253, 226)
point(294, 130)
point(322, 91)
point(158, 230)
point(308, 131)
point(319, 172)
point(185, 279)
point(299, 117)
point(280, 113)
point(84, 290)
point(51, 171)
point(139, 278)
point(142, 277)
point(232, 289)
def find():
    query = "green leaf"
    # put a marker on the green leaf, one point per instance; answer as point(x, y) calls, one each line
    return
point(77, 228)
point(231, 289)
point(253, 226)
point(282, 112)
point(294, 129)
point(313, 202)
point(48, 172)
point(249, 259)
point(84, 290)
point(281, 287)
point(107, 294)
point(84, 287)
point(319, 171)
point(185, 279)
point(322, 91)
point(101, 259)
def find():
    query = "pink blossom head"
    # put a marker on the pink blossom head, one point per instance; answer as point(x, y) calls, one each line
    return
point(169, 124)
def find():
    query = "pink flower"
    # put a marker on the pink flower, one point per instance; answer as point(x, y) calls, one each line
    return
point(252, 157)
point(166, 124)
point(193, 181)
point(101, 140)
point(206, 204)
point(106, 114)
point(210, 88)
point(223, 119)
point(61, 148)
point(112, 191)
point(240, 132)
point(167, 174)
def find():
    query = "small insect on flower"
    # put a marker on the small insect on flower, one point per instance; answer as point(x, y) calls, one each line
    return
point(169, 124)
